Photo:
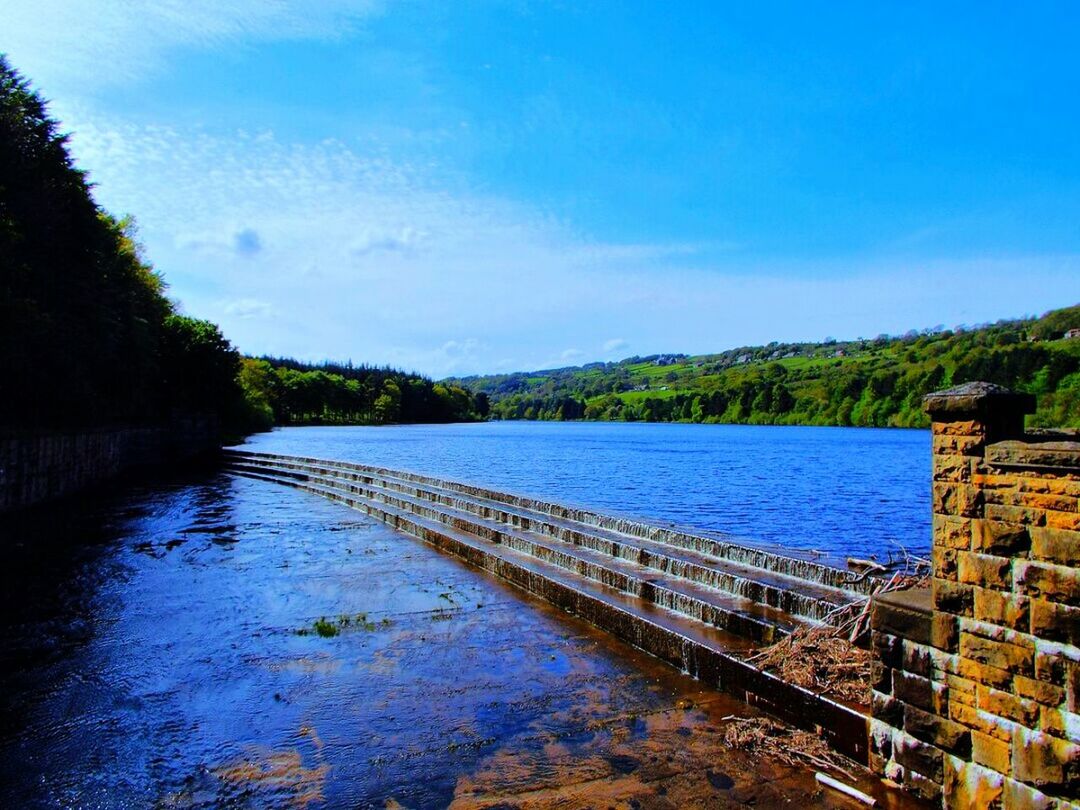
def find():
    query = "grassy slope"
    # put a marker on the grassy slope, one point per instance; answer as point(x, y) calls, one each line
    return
point(871, 382)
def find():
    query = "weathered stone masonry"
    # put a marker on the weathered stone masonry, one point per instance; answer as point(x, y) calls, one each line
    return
point(977, 685)
point(40, 467)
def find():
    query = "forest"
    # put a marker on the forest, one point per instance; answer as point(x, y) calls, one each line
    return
point(875, 382)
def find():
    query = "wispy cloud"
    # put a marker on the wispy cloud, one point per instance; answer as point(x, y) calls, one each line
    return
point(247, 308)
point(361, 256)
point(58, 41)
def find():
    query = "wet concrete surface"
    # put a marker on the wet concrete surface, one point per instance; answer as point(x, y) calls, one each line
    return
point(161, 648)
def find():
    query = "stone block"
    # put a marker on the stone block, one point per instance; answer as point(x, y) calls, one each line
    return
point(952, 597)
point(949, 498)
point(922, 787)
point(939, 731)
point(1069, 521)
point(976, 720)
point(886, 709)
point(1018, 796)
point(967, 785)
point(961, 690)
point(1054, 583)
point(984, 570)
point(998, 654)
point(1051, 503)
point(880, 677)
point(1015, 514)
point(1060, 722)
point(981, 673)
point(1058, 546)
point(916, 659)
point(1055, 622)
point(999, 537)
point(944, 632)
point(905, 614)
point(950, 445)
point(1030, 482)
point(919, 691)
point(1056, 662)
point(943, 562)
point(951, 468)
point(888, 648)
point(1002, 608)
point(1007, 705)
point(1042, 760)
point(881, 739)
point(1047, 694)
point(952, 531)
point(916, 755)
point(962, 427)
point(990, 752)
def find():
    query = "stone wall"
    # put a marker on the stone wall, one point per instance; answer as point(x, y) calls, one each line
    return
point(977, 681)
point(39, 467)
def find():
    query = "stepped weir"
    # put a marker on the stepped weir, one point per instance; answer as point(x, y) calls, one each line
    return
point(699, 603)
point(975, 681)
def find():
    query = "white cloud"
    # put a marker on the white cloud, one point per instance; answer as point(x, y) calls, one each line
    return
point(247, 308)
point(119, 41)
point(372, 259)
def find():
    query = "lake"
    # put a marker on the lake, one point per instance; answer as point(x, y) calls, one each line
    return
point(843, 491)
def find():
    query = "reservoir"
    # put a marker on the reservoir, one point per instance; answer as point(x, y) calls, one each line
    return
point(843, 491)
point(159, 644)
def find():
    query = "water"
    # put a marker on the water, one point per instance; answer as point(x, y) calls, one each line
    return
point(845, 491)
point(150, 656)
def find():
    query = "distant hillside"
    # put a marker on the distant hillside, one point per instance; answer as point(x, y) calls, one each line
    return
point(878, 382)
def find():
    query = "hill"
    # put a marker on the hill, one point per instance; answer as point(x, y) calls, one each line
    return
point(878, 382)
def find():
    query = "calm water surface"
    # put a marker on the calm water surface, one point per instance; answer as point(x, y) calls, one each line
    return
point(155, 651)
point(844, 491)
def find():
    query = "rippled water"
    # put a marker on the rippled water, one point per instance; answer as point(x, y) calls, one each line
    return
point(845, 491)
point(156, 651)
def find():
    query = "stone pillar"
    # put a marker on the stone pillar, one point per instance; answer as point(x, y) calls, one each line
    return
point(977, 684)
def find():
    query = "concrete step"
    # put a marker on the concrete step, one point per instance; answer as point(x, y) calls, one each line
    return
point(736, 614)
point(805, 566)
point(797, 597)
point(708, 653)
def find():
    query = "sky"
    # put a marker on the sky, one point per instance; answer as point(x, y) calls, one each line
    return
point(483, 187)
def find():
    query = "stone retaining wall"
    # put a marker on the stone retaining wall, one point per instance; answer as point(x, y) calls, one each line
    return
point(39, 467)
point(977, 683)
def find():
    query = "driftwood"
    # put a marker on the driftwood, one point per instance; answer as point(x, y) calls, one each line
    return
point(764, 737)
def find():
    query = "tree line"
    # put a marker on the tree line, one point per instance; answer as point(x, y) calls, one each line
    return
point(878, 382)
point(287, 392)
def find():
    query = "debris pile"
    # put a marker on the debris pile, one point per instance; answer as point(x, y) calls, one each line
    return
point(821, 659)
point(763, 737)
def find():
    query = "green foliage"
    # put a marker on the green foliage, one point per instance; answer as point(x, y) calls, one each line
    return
point(877, 382)
point(293, 393)
point(87, 336)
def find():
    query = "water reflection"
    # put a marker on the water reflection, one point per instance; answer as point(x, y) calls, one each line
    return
point(148, 663)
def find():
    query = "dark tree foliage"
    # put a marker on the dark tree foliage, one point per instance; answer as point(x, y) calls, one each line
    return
point(332, 393)
point(87, 336)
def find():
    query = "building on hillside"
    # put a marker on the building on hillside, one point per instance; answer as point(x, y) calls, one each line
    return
point(1072, 333)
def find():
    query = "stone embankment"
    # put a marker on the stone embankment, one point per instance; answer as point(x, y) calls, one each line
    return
point(699, 603)
point(977, 684)
point(40, 467)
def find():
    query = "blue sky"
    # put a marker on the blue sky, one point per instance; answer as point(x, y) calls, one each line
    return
point(480, 187)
